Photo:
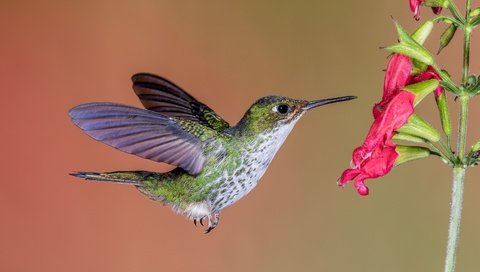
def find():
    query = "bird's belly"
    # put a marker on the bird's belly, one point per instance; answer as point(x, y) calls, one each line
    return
point(236, 186)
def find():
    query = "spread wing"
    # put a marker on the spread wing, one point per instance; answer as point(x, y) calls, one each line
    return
point(144, 133)
point(160, 95)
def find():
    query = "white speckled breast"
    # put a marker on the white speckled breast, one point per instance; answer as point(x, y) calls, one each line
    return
point(256, 157)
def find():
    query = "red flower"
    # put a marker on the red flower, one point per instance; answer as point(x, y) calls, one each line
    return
point(376, 156)
point(414, 7)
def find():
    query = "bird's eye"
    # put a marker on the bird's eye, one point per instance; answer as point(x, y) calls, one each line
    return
point(282, 109)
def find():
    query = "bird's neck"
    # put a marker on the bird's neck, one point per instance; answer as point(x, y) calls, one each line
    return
point(262, 145)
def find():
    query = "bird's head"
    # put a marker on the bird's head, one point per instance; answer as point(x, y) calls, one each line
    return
point(271, 112)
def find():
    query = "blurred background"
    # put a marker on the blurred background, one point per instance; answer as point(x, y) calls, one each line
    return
point(58, 54)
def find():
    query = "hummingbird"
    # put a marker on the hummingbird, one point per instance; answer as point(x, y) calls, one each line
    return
point(216, 164)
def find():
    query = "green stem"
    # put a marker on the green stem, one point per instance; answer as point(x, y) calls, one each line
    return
point(441, 154)
point(445, 78)
point(455, 12)
point(462, 135)
point(447, 19)
point(467, 31)
point(459, 169)
point(455, 218)
point(449, 144)
point(448, 149)
point(462, 131)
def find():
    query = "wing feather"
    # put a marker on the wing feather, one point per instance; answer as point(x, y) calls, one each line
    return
point(160, 95)
point(144, 133)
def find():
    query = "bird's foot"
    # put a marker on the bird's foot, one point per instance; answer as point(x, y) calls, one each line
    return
point(195, 221)
point(212, 222)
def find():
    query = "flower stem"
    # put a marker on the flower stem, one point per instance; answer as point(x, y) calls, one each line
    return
point(459, 169)
point(441, 154)
point(462, 132)
point(455, 12)
point(467, 31)
point(447, 81)
point(455, 218)
point(448, 149)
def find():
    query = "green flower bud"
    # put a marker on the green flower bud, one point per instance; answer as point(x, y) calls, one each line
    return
point(421, 34)
point(418, 127)
point(444, 114)
point(447, 36)
point(410, 153)
point(476, 146)
point(475, 153)
point(475, 12)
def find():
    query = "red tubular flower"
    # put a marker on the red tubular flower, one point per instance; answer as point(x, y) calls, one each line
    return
point(376, 156)
point(415, 7)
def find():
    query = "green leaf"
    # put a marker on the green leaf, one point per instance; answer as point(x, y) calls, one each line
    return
point(410, 153)
point(418, 127)
point(447, 36)
point(421, 89)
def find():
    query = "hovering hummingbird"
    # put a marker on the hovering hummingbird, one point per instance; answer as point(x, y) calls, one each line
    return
point(217, 164)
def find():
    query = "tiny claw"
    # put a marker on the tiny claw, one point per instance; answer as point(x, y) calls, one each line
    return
point(201, 221)
point(209, 230)
point(195, 222)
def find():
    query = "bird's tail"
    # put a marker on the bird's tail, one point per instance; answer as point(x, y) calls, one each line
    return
point(136, 178)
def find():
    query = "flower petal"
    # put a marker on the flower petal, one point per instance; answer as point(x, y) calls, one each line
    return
point(391, 115)
point(397, 74)
point(376, 156)
point(379, 164)
point(414, 7)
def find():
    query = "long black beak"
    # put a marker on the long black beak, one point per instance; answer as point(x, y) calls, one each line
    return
point(321, 102)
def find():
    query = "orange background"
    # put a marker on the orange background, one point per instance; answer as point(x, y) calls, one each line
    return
point(57, 54)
